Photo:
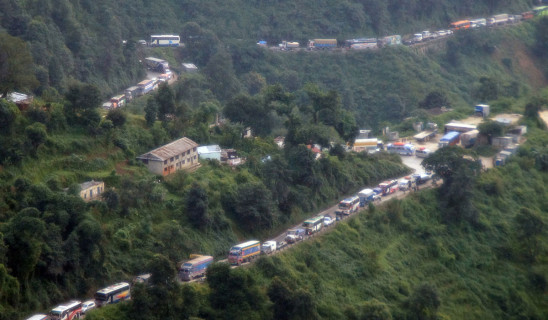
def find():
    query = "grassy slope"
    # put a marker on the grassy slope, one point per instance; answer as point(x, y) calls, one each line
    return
point(475, 270)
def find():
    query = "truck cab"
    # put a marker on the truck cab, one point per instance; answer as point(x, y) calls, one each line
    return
point(294, 235)
point(268, 247)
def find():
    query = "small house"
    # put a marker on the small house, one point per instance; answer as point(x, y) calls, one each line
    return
point(181, 154)
point(91, 190)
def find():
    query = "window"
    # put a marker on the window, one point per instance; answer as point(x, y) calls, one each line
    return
point(177, 157)
point(188, 152)
point(194, 157)
point(171, 160)
point(165, 161)
point(183, 161)
point(194, 149)
point(165, 169)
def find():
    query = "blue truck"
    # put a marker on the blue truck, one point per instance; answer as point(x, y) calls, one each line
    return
point(366, 196)
point(451, 138)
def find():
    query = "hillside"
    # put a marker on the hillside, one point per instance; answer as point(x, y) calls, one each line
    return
point(82, 40)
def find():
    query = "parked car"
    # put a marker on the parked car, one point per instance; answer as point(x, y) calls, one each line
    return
point(88, 305)
point(327, 221)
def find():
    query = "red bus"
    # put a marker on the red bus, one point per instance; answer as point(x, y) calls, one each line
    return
point(460, 25)
point(70, 310)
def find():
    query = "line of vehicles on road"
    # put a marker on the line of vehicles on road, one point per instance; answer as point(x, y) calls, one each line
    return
point(426, 35)
point(245, 252)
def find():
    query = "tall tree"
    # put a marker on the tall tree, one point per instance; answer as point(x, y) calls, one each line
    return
point(196, 206)
point(165, 98)
point(16, 65)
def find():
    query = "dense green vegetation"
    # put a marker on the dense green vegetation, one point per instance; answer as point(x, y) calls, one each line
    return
point(405, 260)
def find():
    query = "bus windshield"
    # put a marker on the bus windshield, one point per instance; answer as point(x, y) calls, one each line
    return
point(101, 297)
point(344, 205)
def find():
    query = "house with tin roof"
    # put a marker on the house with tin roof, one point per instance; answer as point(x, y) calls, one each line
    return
point(180, 154)
point(91, 190)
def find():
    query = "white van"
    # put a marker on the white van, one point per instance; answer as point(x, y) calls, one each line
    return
point(422, 152)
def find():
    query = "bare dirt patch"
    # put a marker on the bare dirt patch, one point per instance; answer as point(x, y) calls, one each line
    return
point(544, 116)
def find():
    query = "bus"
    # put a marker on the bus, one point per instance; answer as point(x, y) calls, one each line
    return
point(70, 310)
point(165, 40)
point(401, 148)
point(244, 252)
point(540, 11)
point(348, 205)
point(313, 225)
point(112, 294)
point(459, 25)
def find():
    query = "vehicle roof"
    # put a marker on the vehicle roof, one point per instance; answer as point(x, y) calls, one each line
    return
point(246, 244)
point(38, 317)
point(113, 287)
point(200, 259)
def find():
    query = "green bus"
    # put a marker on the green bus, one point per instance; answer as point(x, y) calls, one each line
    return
point(313, 225)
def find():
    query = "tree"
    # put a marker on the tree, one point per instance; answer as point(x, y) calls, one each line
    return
point(435, 99)
point(196, 206)
point(163, 271)
point(82, 103)
point(36, 134)
point(8, 114)
point(491, 129)
point(165, 98)
point(151, 111)
point(488, 89)
point(16, 65)
point(111, 198)
point(375, 310)
point(253, 206)
point(117, 116)
point(424, 303)
point(529, 228)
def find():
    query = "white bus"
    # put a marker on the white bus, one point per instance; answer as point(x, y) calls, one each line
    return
point(349, 205)
point(165, 40)
point(112, 294)
point(313, 225)
point(70, 310)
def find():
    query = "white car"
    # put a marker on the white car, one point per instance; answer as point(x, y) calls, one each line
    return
point(88, 305)
point(327, 221)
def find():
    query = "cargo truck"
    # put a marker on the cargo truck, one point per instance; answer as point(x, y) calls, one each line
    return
point(449, 139)
point(390, 40)
point(195, 268)
point(244, 252)
point(477, 23)
point(322, 44)
point(294, 235)
point(468, 139)
point(268, 247)
point(366, 196)
point(146, 86)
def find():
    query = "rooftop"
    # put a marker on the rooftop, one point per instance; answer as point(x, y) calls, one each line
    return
point(169, 150)
point(89, 184)
point(209, 149)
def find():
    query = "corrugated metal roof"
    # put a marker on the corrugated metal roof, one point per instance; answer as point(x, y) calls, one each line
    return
point(88, 184)
point(209, 149)
point(170, 150)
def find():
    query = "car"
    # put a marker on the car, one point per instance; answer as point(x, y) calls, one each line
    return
point(327, 221)
point(88, 305)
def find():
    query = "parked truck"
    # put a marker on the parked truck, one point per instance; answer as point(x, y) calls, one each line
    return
point(195, 268)
point(268, 247)
point(146, 86)
point(294, 235)
point(498, 19)
point(244, 252)
point(478, 23)
point(449, 139)
point(366, 196)
point(322, 44)
point(468, 139)
point(390, 40)
point(288, 45)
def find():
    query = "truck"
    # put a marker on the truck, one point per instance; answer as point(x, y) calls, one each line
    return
point(195, 268)
point(157, 65)
point(118, 101)
point(294, 235)
point(477, 23)
point(244, 252)
point(449, 139)
point(417, 37)
point(366, 196)
point(425, 135)
point(131, 93)
point(482, 110)
point(368, 145)
point(322, 44)
point(390, 40)
point(288, 45)
point(268, 247)
point(146, 86)
point(427, 35)
point(468, 139)
point(498, 19)
point(362, 46)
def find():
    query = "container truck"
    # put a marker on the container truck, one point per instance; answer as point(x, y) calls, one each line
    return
point(322, 44)
point(449, 139)
point(468, 139)
point(195, 268)
point(244, 252)
point(482, 110)
point(366, 196)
